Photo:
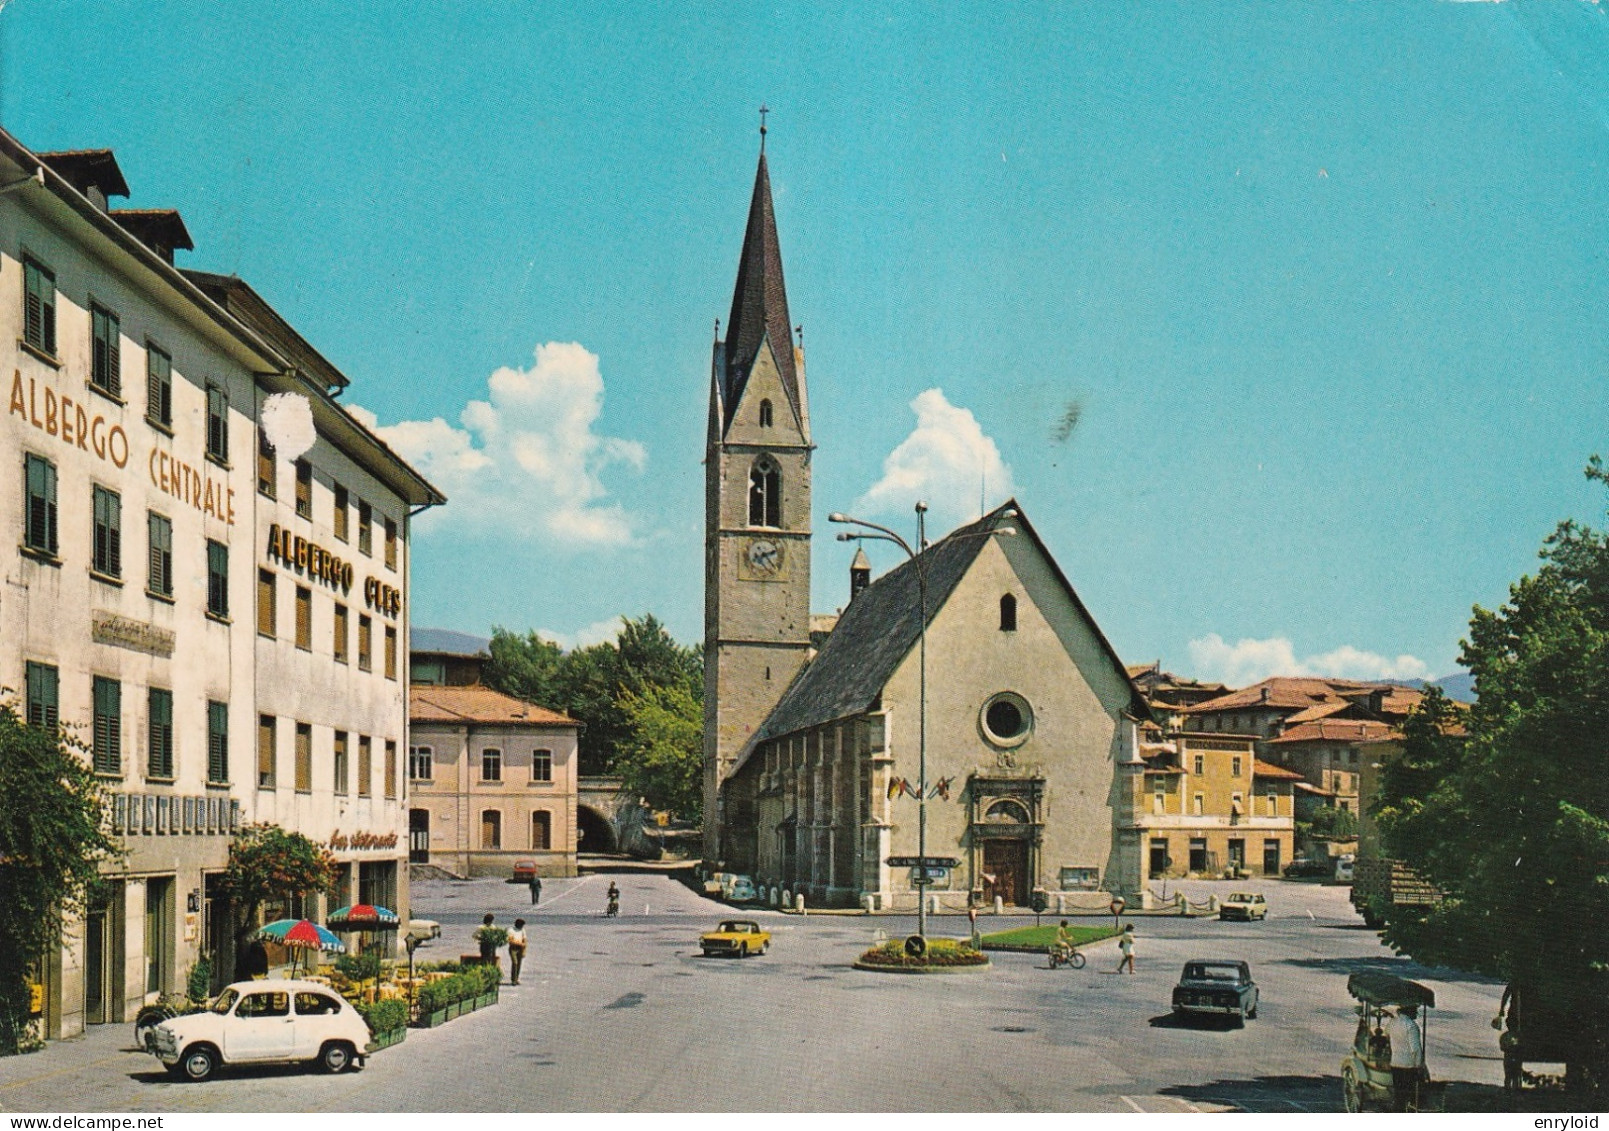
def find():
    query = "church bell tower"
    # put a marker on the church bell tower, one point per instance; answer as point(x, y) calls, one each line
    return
point(756, 509)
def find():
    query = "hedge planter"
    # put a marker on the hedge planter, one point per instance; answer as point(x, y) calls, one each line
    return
point(432, 1019)
point(387, 1039)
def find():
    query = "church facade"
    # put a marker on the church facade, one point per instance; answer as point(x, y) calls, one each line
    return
point(813, 752)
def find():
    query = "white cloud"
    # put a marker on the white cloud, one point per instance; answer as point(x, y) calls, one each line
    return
point(526, 461)
point(946, 461)
point(600, 632)
point(1250, 661)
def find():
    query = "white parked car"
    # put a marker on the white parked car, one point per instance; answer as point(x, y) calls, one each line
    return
point(267, 1022)
point(1343, 867)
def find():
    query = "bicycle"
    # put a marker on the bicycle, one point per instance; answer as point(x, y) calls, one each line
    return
point(1064, 954)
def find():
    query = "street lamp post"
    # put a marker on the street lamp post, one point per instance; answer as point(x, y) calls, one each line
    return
point(884, 534)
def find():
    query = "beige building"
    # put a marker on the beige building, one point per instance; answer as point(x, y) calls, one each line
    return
point(1204, 805)
point(133, 607)
point(1031, 733)
point(493, 780)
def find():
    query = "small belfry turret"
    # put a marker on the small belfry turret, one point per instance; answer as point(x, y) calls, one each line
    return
point(757, 508)
point(860, 573)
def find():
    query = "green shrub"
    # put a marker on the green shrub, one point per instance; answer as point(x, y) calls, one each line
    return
point(199, 985)
point(940, 952)
point(491, 936)
point(358, 967)
point(470, 982)
point(384, 1016)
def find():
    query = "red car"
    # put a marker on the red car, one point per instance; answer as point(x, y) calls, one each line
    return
point(524, 871)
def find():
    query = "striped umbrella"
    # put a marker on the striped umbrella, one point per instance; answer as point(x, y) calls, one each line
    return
point(302, 934)
point(364, 917)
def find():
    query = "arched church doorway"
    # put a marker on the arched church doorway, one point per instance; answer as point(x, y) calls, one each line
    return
point(595, 832)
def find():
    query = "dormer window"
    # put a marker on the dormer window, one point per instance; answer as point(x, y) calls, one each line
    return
point(765, 414)
point(765, 493)
point(1008, 613)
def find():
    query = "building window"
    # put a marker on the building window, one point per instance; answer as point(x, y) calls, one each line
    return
point(106, 360)
point(541, 830)
point(491, 829)
point(1200, 765)
point(541, 765)
point(365, 528)
point(217, 423)
point(365, 643)
point(106, 553)
point(390, 769)
point(304, 619)
point(1196, 807)
point(1159, 799)
point(39, 519)
point(341, 509)
point(1007, 719)
point(1234, 766)
point(158, 387)
point(343, 784)
point(217, 579)
point(304, 758)
point(390, 653)
point(765, 493)
point(43, 700)
point(1237, 802)
point(1273, 801)
point(159, 732)
point(267, 468)
point(765, 414)
point(304, 489)
point(107, 738)
point(391, 543)
point(266, 618)
point(217, 743)
point(340, 634)
point(365, 766)
point(39, 306)
point(159, 579)
point(421, 763)
point(265, 751)
point(1008, 613)
point(491, 764)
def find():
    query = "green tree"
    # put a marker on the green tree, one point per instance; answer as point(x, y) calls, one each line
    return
point(268, 863)
point(1327, 822)
point(1511, 822)
point(53, 839)
point(663, 758)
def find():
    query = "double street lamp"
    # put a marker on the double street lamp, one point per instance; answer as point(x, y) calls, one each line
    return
point(876, 533)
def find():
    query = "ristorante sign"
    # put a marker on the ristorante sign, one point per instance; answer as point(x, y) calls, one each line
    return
point(340, 841)
point(76, 424)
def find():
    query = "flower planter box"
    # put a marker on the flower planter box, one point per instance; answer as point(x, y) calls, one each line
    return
point(432, 1019)
point(485, 999)
point(386, 1040)
point(455, 1009)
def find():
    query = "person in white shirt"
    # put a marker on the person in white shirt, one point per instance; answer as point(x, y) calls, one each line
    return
point(516, 950)
point(1407, 1056)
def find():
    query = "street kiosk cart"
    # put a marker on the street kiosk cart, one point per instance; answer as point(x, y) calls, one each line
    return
point(1366, 1071)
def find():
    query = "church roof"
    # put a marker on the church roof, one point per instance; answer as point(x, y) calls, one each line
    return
point(759, 304)
point(880, 627)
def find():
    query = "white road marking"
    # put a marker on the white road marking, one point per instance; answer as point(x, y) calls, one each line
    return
point(563, 895)
point(1130, 1101)
point(1187, 1104)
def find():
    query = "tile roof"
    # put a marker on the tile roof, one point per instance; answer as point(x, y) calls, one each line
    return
point(1261, 769)
point(1319, 711)
point(1304, 692)
point(880, 627)
point(759, 305)
point(1336, 730)
point(478, 705)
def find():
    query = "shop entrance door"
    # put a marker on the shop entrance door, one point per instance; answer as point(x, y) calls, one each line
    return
point(418, 836)
point(102, 962)
point(1007, 862)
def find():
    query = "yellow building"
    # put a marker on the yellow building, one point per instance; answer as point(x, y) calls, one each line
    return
point(1205, 806)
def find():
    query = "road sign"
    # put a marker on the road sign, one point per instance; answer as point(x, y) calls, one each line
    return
point(923, 862)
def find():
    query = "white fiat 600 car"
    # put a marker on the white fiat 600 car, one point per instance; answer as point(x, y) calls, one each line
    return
point(268, 1022)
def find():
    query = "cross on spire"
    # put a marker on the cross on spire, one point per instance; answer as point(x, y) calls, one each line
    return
point(764, 110)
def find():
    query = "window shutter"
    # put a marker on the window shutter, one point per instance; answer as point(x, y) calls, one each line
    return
point(114, 357)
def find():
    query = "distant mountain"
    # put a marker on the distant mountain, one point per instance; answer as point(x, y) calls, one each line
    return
point(446, 640)
point(1459, 686)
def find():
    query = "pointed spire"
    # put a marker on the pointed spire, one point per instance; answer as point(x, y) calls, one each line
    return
point(759, 302)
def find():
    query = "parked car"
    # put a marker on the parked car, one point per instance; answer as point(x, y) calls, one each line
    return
point(524, 870)
point(741, 889)
point(267, 1022)
point(1216, 985)
point(1307, 866)
point(740, 937)
point(1243, 905)
point(1343, 868)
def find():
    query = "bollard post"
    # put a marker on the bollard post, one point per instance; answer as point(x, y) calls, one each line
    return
point(999, 905)
point(1061, 905)
point(787, 899)
point(799, 903)
point(866, 901)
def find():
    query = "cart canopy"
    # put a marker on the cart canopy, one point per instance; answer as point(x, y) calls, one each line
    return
point(1385, 989)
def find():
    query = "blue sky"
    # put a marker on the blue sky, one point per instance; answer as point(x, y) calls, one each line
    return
point(1323, 284)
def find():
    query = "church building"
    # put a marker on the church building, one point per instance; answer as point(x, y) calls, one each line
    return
point(812, 749)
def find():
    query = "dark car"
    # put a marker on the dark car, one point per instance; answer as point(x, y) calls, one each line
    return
point(1216, 985)
point(1303, 866)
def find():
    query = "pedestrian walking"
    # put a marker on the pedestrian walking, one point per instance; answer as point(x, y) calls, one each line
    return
point(536, 889)
point(1407, 1056)
point(516, 950)
point(486, 935)
point(1125, 943)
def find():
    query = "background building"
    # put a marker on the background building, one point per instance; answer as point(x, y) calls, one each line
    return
point(131, 603)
